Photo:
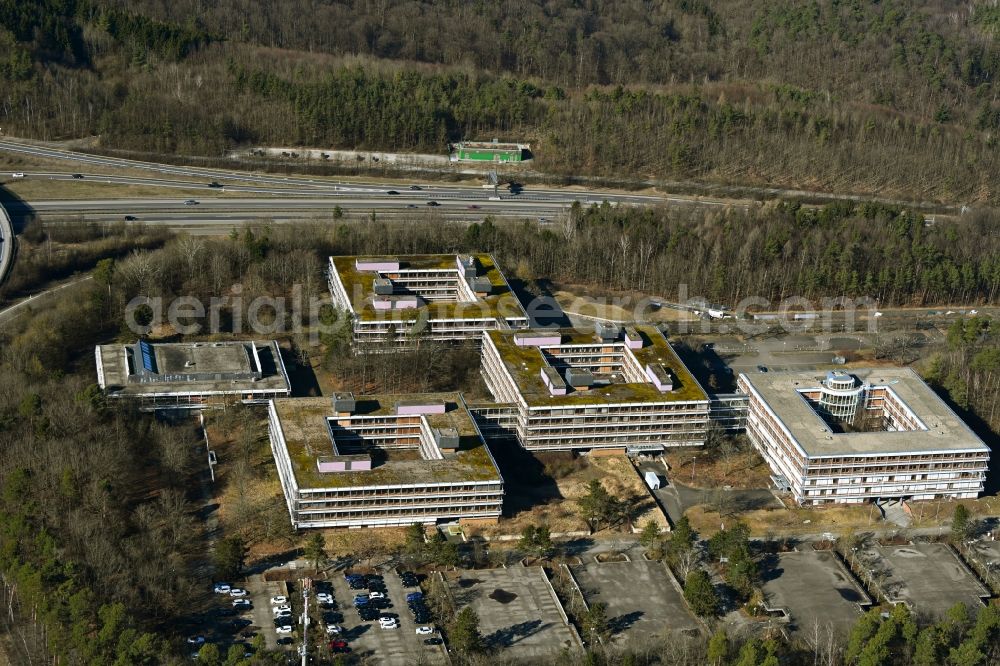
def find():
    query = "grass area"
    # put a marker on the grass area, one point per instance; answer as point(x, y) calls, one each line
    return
point(37, 189)
point(552, 501)
point(615, 306)
point(744, 468)
point(839, 518)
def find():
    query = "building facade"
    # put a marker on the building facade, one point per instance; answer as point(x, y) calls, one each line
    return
point(867, 435)
point(382, 461)
point(560, 390)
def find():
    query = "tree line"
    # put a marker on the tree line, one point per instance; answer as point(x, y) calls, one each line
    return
point(892, 98)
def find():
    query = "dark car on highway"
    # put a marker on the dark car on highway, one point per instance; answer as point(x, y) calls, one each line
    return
point(433, 203)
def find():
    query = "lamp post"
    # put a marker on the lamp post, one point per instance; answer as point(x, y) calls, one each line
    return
point(694, 464)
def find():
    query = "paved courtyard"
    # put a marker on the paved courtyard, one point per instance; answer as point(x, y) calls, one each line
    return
point(518, 611)
point(814, 589)
point(642, 598)
point(928, 577)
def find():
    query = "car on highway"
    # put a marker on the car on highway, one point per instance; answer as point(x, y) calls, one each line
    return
point(130, 218)
point(215, 183)
point(190, 202)
point(17, 174)
point(433, 203)
point(473, 207)
point(415, 188)
point(761, 368)
point(78, 175)
point(221, 588)
point(391, 192)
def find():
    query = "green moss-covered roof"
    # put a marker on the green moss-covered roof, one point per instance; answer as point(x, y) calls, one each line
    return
point(525, 364)
point(303, 422)
point(501, 302)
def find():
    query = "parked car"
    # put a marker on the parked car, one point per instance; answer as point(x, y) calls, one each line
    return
point(425, 631)
point(196, 640)
point(284, 629)
point(338, 644)
point(237, 592)
point(241, 603)
point(388, 623)
point(221, 588)
point(376, 595)
point(279, 600)
point(333, 629)
point(414, 596)
point(433, 641)
point(324, 598)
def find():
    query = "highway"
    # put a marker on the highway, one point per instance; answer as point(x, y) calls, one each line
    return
point(240, 182)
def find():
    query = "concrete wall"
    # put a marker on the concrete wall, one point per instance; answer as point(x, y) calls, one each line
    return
point(7, 241)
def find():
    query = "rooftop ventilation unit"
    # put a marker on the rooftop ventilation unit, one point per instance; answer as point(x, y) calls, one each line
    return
point(468, 266)
point(383, 286)
point(446, 439)
point(579, 379)
point(344, 403)
point(607, 332)
point(481, 286)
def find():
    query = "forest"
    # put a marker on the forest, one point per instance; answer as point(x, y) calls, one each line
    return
point(892, 98)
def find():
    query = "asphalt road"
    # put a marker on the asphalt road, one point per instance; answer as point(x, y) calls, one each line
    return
point(6, 244)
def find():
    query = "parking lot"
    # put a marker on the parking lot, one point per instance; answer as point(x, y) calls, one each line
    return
point(642, 597)
point(814, 589)
point(400, 646)
point(517, 610)
point(928, 577)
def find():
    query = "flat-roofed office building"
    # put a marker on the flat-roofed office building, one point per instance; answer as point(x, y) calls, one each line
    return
point(382, 460)
point(616, 388)
point(394, 301)
point(861, 435)
point(191, 375)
